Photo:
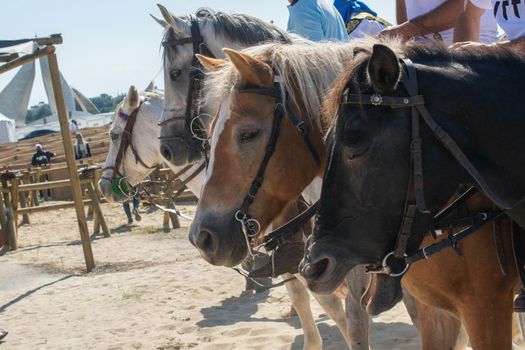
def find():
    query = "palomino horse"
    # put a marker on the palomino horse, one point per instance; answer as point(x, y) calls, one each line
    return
point(147, 110)
point(297, 76)
point(142, 154)
point(375, 208)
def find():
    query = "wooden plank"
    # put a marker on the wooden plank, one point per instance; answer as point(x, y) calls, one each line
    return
point(53, 39)
point(98, 211)
point(26, 59)
point(8, 57)
point(70, 158)
point(11, 228)
point(51, 207)
point(50, 185)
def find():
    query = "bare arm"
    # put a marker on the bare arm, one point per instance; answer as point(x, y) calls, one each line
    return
point(468, 24)
point(401, 11)
point(441, 18)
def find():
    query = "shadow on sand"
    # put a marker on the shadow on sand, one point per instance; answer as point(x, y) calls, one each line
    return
point(239, 309)
point(398, 332)
point(31, 291)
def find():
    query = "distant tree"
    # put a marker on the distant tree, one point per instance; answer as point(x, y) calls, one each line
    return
point(38, 112)
point(107, 103)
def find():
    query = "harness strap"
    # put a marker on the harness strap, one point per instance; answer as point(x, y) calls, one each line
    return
point(180, 188)
point(270, 149)
point(126, 142)
point(183, 171)
point(452, 241)
point(281, 234)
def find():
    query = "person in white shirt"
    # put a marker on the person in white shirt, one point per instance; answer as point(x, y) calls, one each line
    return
point(510, 15)
point(435, 19)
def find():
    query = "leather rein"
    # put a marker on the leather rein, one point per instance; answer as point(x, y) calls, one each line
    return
point(250, 226)
point(194, 140)
point(397, 262)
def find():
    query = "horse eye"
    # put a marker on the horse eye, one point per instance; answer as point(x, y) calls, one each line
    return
point(249, 135)
point(175, 74)
point(114, 137)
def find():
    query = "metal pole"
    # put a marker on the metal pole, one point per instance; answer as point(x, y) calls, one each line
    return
point(70, 158)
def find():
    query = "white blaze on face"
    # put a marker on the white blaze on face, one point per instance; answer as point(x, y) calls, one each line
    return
point(222, 118)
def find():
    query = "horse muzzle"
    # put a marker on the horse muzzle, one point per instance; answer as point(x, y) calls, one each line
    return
point(219, 241)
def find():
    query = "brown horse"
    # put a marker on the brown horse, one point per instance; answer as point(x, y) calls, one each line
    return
point(352, 230)
point(239, 135)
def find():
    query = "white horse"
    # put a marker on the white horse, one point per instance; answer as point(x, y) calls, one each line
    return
point(144, 144)
point(239, 31)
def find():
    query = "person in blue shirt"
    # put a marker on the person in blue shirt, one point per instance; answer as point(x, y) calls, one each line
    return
point(360, 20)
point(316, 20)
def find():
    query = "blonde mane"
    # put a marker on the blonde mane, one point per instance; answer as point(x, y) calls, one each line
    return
point(308, 70)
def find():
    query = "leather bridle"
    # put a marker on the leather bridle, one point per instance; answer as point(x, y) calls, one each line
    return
point(192, 139)
point(250, 226)
point(415, 200)
point(126, 141)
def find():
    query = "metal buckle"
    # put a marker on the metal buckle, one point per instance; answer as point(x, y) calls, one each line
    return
point(376, 99)
point(388, 271)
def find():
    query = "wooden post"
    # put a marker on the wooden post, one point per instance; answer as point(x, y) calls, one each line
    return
point(166, 222)
point(23, 204)
point(11, 228)
point(174, 218)
point(14, 199)
point(70, 159)
point(35, 178)
point(96, 224)
point(3, 217)
point(98, 211)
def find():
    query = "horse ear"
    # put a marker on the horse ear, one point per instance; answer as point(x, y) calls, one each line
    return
point(162, 23)
point(132, 99)
point(210, 64)
point(383, 69)
point(252, 70)
point(176, 23)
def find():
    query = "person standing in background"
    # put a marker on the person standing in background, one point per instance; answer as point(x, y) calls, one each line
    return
point(127, 209)
point(81, 147)
point(316, 20)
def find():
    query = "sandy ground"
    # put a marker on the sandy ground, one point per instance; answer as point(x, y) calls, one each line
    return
point(150, 290)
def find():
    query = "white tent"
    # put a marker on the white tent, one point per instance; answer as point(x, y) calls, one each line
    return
point(7, 129)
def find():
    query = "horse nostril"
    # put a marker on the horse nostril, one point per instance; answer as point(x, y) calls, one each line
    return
point(166, 152)
point(314, 270)
point(207, 243)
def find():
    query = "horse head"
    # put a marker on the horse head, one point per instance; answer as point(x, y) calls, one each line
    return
point(258, 163)
point(366, 181)
point(135, 119)
point(186, 115)
point(184, 119)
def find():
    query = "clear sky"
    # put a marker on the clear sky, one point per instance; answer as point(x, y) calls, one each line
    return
point(109, 45)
